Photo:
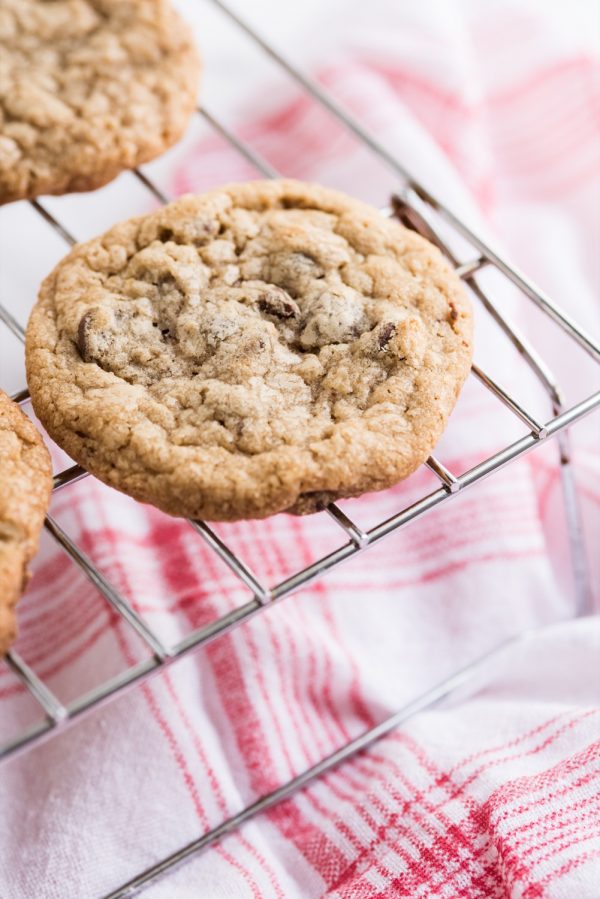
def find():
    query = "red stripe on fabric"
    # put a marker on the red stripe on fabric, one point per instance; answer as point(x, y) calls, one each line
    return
point(509, 131)
point(502, 747)
point(461, 840)
point(319, 851)
point(215, 786)
point(458, 836)
point(258, 667)
point(199, 749)
point(254, 746)
point(519, 516)
point(176, 751)
point(317, 723)
point(356, 584)
point(437, 123)
point(545, 492)
point(457, 791)
point(399, 79)
point(569, 865)
point(357, 702)
point(448, 847)
point(539, 80)
point(553, 472)
point(343, 828)
point(527, 784)
point(450, 568)
point(316, 135)
point(571, 101)
point(483, 820)
point(309, 698)
point(430, 538)
point(41, 645)
point(56, 568)
point(518, 860)
point(341, 75)
point(52, 670)
point(41, 616)
point(332, 721)
point(177, 754)
point(470, 526)
point(188, 779)
point(312, 724)
point(67, 625)
point(586, 810)
point(250, 733)
point(545, 798)
point(209, 771)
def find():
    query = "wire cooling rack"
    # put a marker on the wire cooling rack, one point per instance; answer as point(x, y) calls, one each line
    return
point(417, 209)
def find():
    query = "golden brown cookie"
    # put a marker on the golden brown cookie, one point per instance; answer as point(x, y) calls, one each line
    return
point(89, 88)
point(25, 485)
point(268, 346)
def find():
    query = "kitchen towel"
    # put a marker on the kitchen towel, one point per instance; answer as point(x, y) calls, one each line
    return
point(495, 793)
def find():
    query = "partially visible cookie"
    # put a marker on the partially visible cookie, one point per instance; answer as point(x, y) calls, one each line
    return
point(268, 346)
point(25, 485)
point(89, 88)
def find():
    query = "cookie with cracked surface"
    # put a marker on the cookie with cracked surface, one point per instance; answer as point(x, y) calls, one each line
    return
point(89, 88)
point(25, 485)
point(264, 347)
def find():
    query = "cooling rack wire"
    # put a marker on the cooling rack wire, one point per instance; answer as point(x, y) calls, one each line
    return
point(418, 209)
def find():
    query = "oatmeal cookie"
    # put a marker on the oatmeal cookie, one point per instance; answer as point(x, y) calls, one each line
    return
point(89, 88)
point(25, 484)
point(264, 347)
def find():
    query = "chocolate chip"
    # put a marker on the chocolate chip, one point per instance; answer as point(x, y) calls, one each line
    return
point(278, 303)
point(385, 335)
point(166, 281)
point(312, 501)
point(453, 314)
point(83, 336)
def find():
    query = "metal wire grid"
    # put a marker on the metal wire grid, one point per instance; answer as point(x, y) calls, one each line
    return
point(416, 208)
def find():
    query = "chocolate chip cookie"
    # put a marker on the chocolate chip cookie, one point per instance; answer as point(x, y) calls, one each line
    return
point(25, 484)
point(268, 346)
point(89, 88)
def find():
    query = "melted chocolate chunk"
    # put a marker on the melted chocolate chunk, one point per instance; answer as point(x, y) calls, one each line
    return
point(385, 335)
point(278, 303)
point(83, 331)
